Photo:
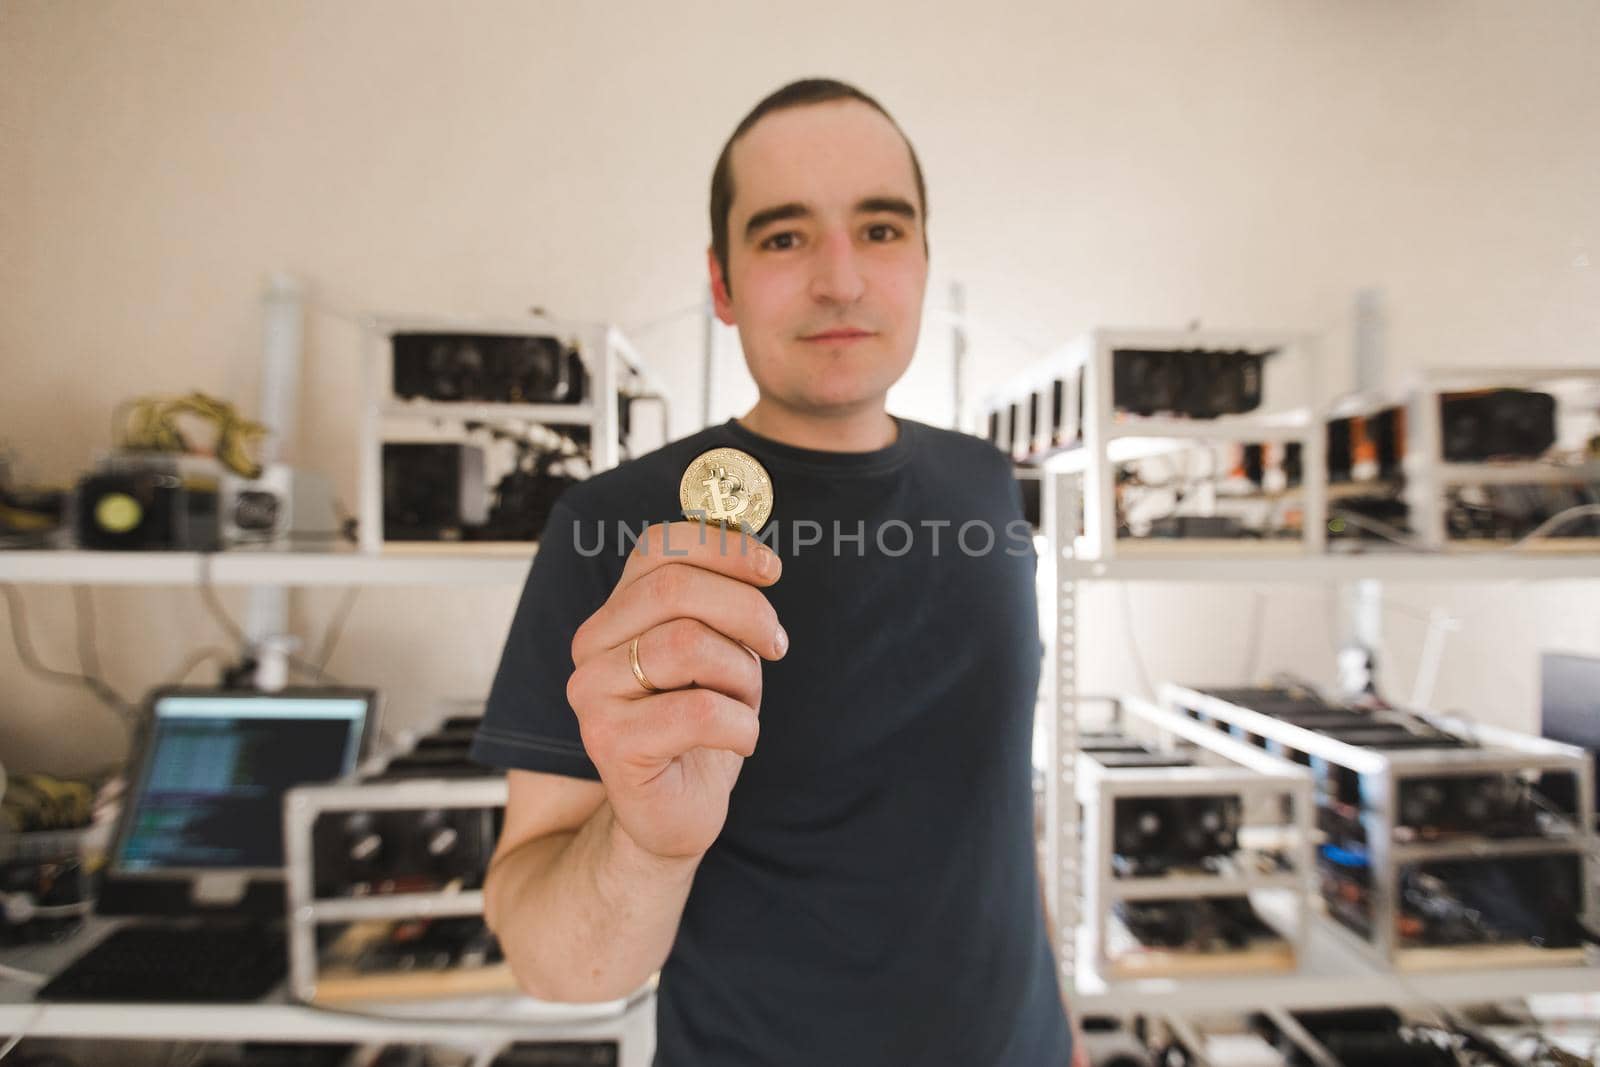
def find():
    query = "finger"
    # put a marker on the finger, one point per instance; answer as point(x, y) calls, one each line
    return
point(675, 591)
point(666, 725)
point(713, 547)
point(684, 653)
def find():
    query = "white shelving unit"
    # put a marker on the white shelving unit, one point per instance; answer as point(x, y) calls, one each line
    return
point(1429, 476)
point(452, 566)
point(1385, 774)
point(478, 1026)
point(1061, 413)
point(1381, 565)
point(481, 1025)
point(422, 566)
point(308, 912)
point(1333, 973)
point(613, 365)
point(1222, 768)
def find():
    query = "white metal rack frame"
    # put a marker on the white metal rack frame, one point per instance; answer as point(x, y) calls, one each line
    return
point(1428, 476)
point(454, 566)
point(608, 356)
point(476, 1026)
point(1335, 973)
point(254, 567)
point(1095, 444)
point(1262, 783)
point(1220, 1043)
point(1383, 774)
point(303, 806)
point(1230, 1038)
point(1221, 1046)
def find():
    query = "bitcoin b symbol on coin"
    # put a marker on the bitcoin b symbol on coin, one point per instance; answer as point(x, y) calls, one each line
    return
point(728, 499)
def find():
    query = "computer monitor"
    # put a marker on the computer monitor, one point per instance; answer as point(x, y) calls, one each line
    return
point(206, 796)
point(1569, 702)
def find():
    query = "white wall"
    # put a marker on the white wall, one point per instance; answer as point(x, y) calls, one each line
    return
point(1240, 162)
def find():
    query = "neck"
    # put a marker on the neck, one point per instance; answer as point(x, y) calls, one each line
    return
point(859, 431)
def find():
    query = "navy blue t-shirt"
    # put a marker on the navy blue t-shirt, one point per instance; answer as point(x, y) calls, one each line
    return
point(873, 898)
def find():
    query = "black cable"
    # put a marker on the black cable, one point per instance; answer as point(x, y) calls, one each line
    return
point(1252, 662)
point(196, 658)
point(236, 633)
point(1555, 522)
point(1400, 537)
point(83, 617)
point(335, 630)
point(1133, 642)
point(312, 671)
point(213, 605)
point(16, 608)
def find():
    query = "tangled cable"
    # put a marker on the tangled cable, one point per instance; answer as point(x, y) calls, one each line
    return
point(150, 424)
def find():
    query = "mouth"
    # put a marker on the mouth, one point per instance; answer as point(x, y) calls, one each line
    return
point(842, 335)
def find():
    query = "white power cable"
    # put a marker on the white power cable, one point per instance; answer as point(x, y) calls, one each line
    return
point(1400, 537)
point(1560, 518)
point(17, 974)
point(22, 1031)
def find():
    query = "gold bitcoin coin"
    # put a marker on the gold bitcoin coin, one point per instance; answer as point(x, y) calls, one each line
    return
point(728, 487)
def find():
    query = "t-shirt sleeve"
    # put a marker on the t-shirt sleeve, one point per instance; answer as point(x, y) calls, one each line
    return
point(528, 723)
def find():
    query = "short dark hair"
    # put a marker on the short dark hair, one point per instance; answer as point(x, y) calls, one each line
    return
point(796, 94)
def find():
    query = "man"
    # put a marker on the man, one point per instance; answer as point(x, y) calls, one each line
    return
point(794, 779)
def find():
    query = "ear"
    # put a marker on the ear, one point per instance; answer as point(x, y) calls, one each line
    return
point(720, 300)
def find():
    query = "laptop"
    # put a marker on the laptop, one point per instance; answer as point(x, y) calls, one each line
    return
point(1569, 712)
point(197, 863)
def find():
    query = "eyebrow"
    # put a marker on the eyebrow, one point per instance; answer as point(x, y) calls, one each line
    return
point(767, 216)
point(887, 205)
point(872, 205)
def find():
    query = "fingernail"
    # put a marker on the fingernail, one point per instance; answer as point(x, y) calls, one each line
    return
point(767, 563)
point(781, 642)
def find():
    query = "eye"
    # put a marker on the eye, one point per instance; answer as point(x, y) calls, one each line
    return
point(781, 242)
point(883, 231)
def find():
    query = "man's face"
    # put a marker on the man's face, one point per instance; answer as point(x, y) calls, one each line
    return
point(826, 257)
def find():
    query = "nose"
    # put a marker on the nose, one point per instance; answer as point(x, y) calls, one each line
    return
point(836, 276)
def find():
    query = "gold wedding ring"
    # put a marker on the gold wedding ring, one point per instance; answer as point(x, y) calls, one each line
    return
point(638, 671)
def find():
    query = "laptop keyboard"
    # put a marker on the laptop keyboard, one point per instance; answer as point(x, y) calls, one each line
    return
point(164, 964)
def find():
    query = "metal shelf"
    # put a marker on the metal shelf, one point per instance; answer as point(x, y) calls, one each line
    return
point(469, 1022)
point(49, 567)
point(1398, 566)
point(481, 1024)
point(396, 906)
point(1524, 473)
point(1333, 974)
point(1168, 886)
point(1240, 428)
point(1148, 436)
point(553, 414)
point(430, 565)
point(1483, 848)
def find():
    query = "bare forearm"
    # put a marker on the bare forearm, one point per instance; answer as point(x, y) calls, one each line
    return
point(586, 916)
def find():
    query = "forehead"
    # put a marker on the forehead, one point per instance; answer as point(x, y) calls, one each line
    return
point(826, 155)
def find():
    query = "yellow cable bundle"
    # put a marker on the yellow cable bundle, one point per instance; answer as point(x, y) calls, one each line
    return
point(35, 802)
point(152, 426)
